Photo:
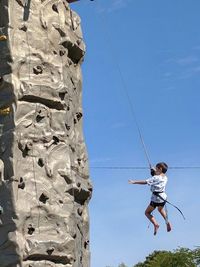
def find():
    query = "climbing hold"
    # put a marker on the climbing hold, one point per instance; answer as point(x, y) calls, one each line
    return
point(62, 53)
point(31, 229)
point(79, 115)
point(56, 140)
point(41, 162)
point(3, 38)
point(62, 96)
point(43, 198)
point(78, 184)
point(50, 251)
point(41, 114)
point(79, 161)
point(25, 147)
point(37, 70)
point(55, 8)
point(5, 111)
point(86, 243)
point(80, 211)
point(23, 28)
point(21, 184)
point(67, 127)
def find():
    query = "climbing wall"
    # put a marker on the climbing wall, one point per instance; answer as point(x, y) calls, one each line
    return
point(44, 186)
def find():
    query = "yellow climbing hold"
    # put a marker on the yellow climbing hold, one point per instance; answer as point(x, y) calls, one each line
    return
point(5, 111)
point(3, 38)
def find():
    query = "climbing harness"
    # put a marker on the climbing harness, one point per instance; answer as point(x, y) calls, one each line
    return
point(166, 201)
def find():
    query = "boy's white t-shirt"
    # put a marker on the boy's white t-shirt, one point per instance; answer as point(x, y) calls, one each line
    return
point(158, 183)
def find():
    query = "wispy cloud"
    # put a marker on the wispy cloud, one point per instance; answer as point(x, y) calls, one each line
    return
point(183, 61)
point(189, 60)
point(183, 67)
point(118, 4)
point(100, 160)
point(170, 88)
point(112, 6)
point(197, 47)
point(196, 69)
point(168, 74)
point(118, 125)
point(189, 72)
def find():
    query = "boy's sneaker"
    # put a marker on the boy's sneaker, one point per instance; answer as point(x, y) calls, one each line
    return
point(169, 227)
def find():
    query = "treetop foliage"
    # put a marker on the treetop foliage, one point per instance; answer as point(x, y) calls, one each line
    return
point(181, 257)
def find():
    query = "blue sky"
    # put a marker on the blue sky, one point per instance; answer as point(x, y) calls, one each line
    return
point(156, 45)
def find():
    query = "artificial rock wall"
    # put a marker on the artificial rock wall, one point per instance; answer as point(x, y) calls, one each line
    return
point(44, 182)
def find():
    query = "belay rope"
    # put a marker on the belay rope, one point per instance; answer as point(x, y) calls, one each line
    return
point(125, 91)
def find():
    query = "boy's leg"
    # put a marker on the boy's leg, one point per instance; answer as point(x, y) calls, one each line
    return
point(148, 212)
point(164, 215)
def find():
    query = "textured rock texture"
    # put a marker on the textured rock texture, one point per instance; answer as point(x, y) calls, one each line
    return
point(44, 187)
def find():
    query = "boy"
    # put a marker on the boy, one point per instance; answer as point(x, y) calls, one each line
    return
point(157, 185)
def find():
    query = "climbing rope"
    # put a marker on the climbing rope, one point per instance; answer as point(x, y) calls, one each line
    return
point(124, 85)
point(70, 169)
point(34, 133)
point(131, 105)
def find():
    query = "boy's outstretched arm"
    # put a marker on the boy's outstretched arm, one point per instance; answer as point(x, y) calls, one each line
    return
point(137, 182)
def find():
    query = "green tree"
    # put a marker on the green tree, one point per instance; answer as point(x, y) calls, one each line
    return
point(181, 257)
point(196, 254)
point(122, 265)
point(139, 264)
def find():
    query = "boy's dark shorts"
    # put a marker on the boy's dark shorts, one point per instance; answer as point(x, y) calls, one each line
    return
point(156, 204)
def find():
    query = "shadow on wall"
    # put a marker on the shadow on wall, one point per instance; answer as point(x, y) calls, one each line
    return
point(26, 10)
point(8, 247)
point(5, 57)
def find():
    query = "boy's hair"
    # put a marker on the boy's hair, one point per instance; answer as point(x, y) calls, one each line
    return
point(163, 166)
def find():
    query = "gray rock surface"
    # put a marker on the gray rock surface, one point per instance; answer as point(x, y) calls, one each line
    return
point(44, 182)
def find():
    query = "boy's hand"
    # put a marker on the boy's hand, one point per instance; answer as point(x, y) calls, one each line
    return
point(131, 181)
point(153, 171)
